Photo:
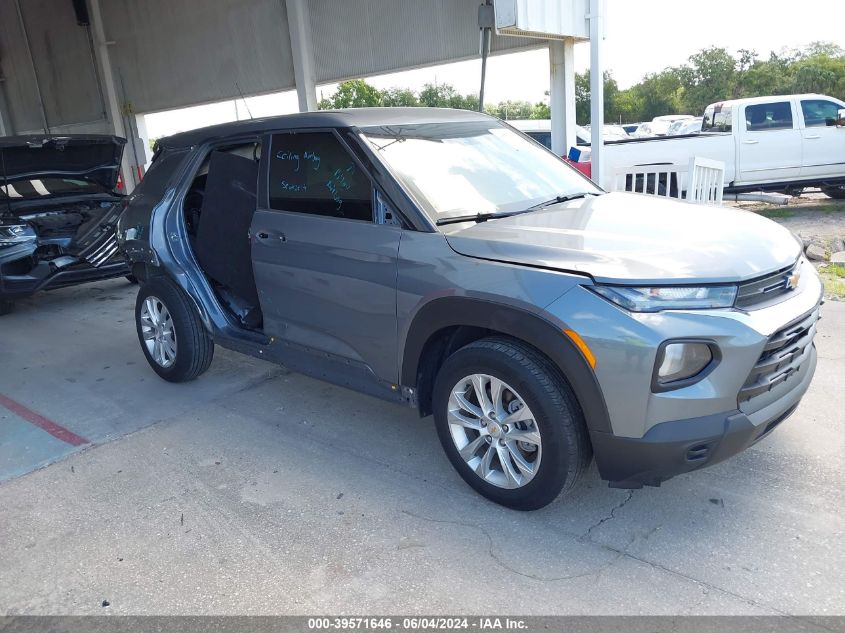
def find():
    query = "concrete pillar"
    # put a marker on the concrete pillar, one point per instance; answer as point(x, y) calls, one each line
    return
point(597, 8)
point(6, 128)
point(106, 78)
point(45, 125)
point(144, 138)
point(302, 51)
point(562, 94)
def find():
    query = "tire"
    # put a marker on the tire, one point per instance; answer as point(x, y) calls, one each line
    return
point(561, 452)
point(6, 306)
point(837, 193)
point(183, 333)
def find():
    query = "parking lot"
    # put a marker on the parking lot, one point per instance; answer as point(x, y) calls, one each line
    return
point(253, 490)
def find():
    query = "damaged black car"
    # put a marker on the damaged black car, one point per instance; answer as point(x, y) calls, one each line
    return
point(59, 204)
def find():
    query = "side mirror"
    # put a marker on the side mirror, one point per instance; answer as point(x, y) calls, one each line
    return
point(840, 118)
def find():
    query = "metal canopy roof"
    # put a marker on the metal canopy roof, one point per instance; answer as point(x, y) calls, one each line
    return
point(91, 66)
point(173, 53)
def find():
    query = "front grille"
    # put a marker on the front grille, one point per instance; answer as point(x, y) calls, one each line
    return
point(782, 356)
point(763, 289)
point(101, 250)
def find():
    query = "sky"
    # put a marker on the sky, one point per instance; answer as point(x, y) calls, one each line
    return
point(642, 36)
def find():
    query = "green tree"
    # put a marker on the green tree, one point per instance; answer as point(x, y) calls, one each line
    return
point(711, 71)
point(820, 73)
point(355, 93)
point(464, 102)
point(629, 106)
point(437, 95)
point(445, 96)
point(541, 110)
point(657, 94)
point(395, 97)
point(583, 101)
point(509, 110)
point(770, 77)
point(824, 49)
point(711, 75)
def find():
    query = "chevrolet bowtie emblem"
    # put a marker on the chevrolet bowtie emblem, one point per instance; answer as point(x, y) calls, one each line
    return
point(792, 281)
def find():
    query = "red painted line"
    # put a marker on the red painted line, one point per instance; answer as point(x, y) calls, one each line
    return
point(56, 430)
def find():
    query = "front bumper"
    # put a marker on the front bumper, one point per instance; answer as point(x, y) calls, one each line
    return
point(766, 363)
point(14, 287)
point(673, 448)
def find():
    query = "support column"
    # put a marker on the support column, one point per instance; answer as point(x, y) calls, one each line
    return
point(562, 94)
point(41, 109)
point(302, 52)
point(106, 78)
point(143, 137)
point(597, 90)
point(6, 128)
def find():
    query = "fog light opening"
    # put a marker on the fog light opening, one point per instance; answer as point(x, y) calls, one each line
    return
point(682, 363)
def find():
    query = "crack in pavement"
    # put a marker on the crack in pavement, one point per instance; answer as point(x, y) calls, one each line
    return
point(504, 565)
point(588, 534)
point(620, 553)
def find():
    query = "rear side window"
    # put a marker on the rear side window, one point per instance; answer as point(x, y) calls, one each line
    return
point(164, 165)
point(717, 118)
point(819, 112)
point(312, 172)
point(769, 116)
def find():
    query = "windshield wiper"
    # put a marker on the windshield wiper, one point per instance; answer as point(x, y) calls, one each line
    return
point(483, 217)
point(478, 217)
point(564, 198)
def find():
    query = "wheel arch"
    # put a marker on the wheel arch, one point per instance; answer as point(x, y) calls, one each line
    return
point(446, 324)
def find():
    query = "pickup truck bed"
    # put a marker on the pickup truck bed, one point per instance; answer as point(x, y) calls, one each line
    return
point(767, 143)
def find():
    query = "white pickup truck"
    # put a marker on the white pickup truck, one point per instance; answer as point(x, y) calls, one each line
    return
point(781, 143)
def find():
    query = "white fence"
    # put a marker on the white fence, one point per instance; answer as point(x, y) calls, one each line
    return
point(700, 182)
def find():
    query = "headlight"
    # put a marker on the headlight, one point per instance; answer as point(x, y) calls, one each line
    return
point(656, 298)
point(11, 234)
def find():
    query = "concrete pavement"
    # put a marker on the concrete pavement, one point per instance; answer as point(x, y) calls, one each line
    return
point(256, 491)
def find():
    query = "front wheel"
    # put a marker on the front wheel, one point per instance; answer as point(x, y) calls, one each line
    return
point(173, 338)
point(509, 423)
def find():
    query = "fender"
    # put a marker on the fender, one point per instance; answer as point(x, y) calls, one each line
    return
point(518, 323)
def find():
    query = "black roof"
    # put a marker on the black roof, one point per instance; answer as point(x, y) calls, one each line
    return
point(351, 117)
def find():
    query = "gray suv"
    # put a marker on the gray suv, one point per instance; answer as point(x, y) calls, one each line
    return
point(441, 259)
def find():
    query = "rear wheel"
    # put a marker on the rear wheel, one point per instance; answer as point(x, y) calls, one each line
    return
point(6, 306)
point(173, 338)
point(509, 423)
point(837, 193)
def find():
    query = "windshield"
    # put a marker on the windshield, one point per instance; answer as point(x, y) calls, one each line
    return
point(42, 187)
point(455, 169)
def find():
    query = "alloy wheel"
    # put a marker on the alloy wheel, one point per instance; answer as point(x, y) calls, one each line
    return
point(158, 331)
point(494, 431)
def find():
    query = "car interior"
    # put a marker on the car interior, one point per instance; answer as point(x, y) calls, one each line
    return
point(768, 116)
point(218, 209)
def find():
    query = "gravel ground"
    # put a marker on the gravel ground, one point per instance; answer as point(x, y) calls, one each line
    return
point(811, 215)
point(818, 220)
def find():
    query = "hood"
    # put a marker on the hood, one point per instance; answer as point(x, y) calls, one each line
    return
point(634, 238)
point(92, 158)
